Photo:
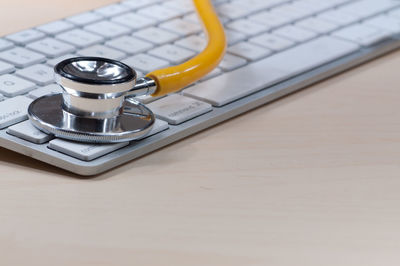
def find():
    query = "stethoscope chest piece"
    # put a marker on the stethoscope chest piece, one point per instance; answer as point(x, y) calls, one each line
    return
point(96, 104)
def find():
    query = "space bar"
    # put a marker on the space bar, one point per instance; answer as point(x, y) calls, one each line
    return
point(234, 85)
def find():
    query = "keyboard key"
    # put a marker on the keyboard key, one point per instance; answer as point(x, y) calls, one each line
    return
point(272, 42)
point(40, 74)
point(84, 18)
point(136, 4)
point(159, 126)
point(292, 11)
point(25, 130)
point(159, 13)
point(316, 25)
point(107, 29)
point(56, 27)
point(21, 57)
point(83, 151)
point(130, 45)
point(231, 86)
point(368, 8)
point(181, 27)
point(294, 33)
point(172, 53)
point(80, 38)
point(156, 35)
point(183, 6)
point(47, 90)
point(247, 27)
point(102, 51)
point(176, 109)
point(231, 62)
point(338, 18)
point(134, 21)
point(14, 110)
point(216, 72)
point(26, 36)
point(195, 43)
point(384, 23)
point(55, 61)
point(51, 47)
point(11, 85)
point(4, 44)
point(145, 63)
point(6, 68)
point(249, 51)
point(233, 11)
point(270, 19)
point(234, 36)
point(362, 34)
point(111, 10)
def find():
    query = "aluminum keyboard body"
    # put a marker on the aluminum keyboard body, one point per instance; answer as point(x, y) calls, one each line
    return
point(262, 73)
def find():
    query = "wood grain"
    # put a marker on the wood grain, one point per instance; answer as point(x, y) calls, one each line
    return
point(311, 179)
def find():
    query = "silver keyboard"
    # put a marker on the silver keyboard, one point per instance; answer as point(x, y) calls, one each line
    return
point(276, 47)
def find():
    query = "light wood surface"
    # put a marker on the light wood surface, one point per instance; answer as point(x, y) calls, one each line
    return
point(312, 179)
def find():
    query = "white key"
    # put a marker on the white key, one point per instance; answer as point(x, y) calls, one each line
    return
point(56, 27)
point(338, 18)
point(84, 18)
point(130, 45)
point(362, 34)
point(270, 19)
point(234, 36)
point(195, 43)
point(172, 53)
point(55, 61)
point(26, 36)
point(259, 4)
point(83, 151)
point(40, 74)
point(25, 130)
point(102, 51)
point(11, 85)
point(292, 12)
point(21, 57)
point(14, 110)
point(181, 27)
point(80, 38)
point(385, 23)
point(395, 13)
point(367, 8)
point(107, 29)
point(6, 68)
point(136, 4)
point(182, 5)
point(316, 25)
point(233, 11)
point(176, 109)
point(231, 86)
point(247, 27)
point(145, 99)
point(47, 90)
point(4, 44)
point(249, 51)
point(156, 35)
point(159, 126)
point(231, 62)
point(145, 63)
point(111, 10)
point(158, 12)
point(272, 42)
point(216, 72)
point(294, 33)
point(51, 47)
point(134, 21)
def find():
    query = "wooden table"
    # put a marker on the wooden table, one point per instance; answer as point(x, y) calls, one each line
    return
point(312, 179)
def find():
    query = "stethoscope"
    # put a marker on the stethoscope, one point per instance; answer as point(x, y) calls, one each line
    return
point(98, 102)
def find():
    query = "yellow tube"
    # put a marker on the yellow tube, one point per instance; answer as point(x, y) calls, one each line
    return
point(174, 78)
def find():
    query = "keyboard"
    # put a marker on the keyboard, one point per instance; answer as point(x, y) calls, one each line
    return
point(275, 47)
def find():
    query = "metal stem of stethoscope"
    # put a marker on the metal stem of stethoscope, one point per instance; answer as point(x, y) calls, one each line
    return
point(97, 104)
